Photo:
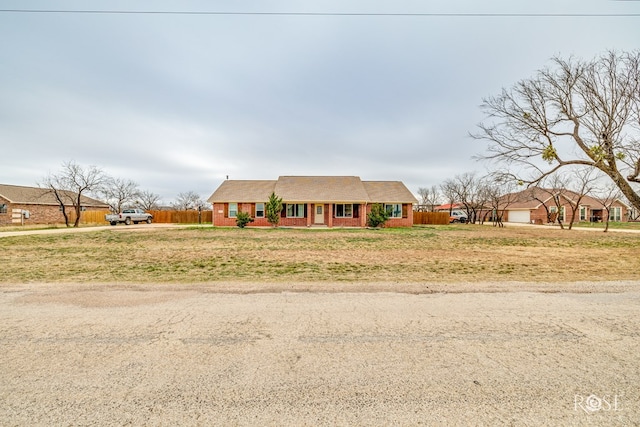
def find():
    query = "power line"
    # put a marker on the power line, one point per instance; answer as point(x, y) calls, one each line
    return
point(311, 14)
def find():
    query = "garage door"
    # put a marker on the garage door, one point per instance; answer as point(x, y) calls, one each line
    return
point(519, 216)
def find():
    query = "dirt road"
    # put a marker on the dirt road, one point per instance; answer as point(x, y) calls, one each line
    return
point(169, 355)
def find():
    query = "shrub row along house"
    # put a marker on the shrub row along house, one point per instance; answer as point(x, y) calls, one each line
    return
point(331, 201)
point(32, 205)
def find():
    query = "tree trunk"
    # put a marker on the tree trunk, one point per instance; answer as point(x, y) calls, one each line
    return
point(62, 206)
point(64, 214)
point(573, 213)
point(625, 187)
point(78, 208)
point(76, 223)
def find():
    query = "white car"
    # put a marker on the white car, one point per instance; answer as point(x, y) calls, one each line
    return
point(458, 216)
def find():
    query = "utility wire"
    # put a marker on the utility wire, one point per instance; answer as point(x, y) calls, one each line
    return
point(347, 14)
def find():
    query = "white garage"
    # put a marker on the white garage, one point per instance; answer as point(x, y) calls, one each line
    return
point(520, 216)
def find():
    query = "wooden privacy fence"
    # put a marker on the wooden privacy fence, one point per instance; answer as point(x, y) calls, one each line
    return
point(430, 218)
point(191, 217)
point(182, 217)
point(163, 217)
point(89, 217)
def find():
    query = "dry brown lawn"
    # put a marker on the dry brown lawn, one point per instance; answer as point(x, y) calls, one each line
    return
point(204, 326)
point(461, 253)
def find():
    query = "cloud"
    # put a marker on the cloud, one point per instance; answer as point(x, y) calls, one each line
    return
point(178, 102)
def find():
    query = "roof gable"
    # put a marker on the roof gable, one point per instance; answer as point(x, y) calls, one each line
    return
point(531, 198)
point(17, 194)
point(331, 189)
point(243, 191)
point(389, 191)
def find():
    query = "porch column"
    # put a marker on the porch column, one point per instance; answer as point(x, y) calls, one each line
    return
point(330, 224)
point(363, 215)
point(309, 214)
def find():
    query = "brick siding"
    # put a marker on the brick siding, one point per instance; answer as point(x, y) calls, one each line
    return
point(38, 214)
point(220, 220)
point(539, 216)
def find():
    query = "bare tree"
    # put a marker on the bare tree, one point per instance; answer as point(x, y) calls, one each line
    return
point(466, 191)
point(187, 201)
point(557, 184)
point(500, 195)
point(429, 197)
point(608, 196)
point(470, 191)
point(483, 195)
point(147, 200)
point(582, 182)
point(576, 113)
point(70, 184)
point(543, 196)
point(449, 192)
point(120, 193)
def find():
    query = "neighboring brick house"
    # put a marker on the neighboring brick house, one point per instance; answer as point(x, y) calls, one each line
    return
point(331, 201)
point(448, 207)
point(41, 204)
point(534, 204)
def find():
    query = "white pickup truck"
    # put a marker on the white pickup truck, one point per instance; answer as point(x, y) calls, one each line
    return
point(128, 216)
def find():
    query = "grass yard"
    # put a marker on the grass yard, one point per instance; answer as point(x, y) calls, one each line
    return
point(460, 253)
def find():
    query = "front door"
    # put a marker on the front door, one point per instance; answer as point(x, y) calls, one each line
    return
point(319, 216)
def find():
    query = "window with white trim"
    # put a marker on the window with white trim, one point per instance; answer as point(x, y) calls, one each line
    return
point(233, 210)
point(344, 210)
point(583, 213)
point(394, 210)
point(3, 208)
point(259, 210)
point(295, 210)
point(553, 209)
point(615, 214)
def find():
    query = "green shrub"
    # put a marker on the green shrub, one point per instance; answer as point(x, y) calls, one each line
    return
point(378, 216)
point(273, 208)
point(242, 219)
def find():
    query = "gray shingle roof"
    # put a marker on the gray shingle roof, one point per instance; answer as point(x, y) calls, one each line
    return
point(328, 189)
point(42, 196)
point(389, 191)
point(243, 191)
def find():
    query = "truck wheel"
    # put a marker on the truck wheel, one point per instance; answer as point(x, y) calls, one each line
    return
point(127, 221)
point(113, 222)
point(148, 220)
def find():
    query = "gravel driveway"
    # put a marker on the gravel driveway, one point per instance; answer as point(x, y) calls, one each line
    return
point(204, 355)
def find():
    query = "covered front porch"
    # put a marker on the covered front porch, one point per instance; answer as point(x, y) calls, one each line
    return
point(327, 214)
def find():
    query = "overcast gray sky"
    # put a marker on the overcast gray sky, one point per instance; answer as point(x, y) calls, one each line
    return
point(176, 102)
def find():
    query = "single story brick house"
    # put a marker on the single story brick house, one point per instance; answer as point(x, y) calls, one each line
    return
point(331, 201)
point(41, 204)
point(534, 204)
